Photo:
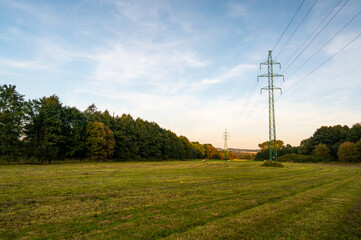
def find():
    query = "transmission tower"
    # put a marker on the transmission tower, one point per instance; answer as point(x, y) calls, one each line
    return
point(272, 122)
point(225, 149)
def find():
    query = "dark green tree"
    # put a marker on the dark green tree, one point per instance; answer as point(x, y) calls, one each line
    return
point(354, 133)
point(11, 122)
point(45, 129)
point(125, 137)
point(288, 149)
point(358, 150)
point(74, 129)
point(331, 136)
point(199, 150)
point(188, 151)
point(322, 153)
point(306, 146)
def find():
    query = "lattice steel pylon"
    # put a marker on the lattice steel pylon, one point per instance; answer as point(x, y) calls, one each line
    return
point(225, 149)
point(272, 122)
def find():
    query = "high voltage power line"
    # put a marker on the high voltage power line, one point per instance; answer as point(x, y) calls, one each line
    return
point(242, 109)
point(257, 116)
point(306, 76)
point(298, 9)
point(315, 69)
point(338, 32)
point(323, 63)
point(255, 121)
point(286, 62)
point(303, 19)
point(316, 34)
point(249, 113)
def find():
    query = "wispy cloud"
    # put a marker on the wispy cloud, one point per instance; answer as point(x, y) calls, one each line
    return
point(44, 13)
point(236, 71)
point(144, 63)
point(22, 64)
point(237, 10)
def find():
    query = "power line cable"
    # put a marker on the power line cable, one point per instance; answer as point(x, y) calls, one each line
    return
point(250, 113)
point(255, 121)
point(242, 109)
point(303, 19)
point(298, 9)
point(353, 18)
point(328, 59)
point(233, 125)
point(315, 36)
point(292, 55)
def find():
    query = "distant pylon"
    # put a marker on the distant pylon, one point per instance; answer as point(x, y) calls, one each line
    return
point(271, 108)
point(225, 149)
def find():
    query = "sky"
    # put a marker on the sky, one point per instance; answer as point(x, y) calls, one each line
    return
point(191, 66)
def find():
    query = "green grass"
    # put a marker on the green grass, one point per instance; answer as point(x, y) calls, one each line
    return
point(180, 200)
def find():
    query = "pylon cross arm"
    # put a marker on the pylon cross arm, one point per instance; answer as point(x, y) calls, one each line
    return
point(264, 63)
point(279, 75)
point(274, 63)
point(263, 75)
point(274, 88)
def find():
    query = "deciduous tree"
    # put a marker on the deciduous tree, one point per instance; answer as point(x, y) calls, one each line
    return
point(347, 152)
point(11, 121)
point(100, 141)
point(322, 153)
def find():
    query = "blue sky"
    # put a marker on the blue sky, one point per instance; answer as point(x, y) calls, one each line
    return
point(190, 66)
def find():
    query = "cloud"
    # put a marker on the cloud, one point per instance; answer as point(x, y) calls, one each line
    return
point(43, 13)
point(237, 10)
point(237, 71)
point(340, 42)
point(144, 64)
point(22, 64)
point(139, 11)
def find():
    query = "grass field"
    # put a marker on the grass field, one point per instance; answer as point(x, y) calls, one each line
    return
point(180, 200)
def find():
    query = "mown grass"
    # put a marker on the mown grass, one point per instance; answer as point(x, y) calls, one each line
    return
point(180, 200)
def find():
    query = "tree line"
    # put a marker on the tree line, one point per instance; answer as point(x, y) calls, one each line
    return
point(328, 143)
point(43, 130)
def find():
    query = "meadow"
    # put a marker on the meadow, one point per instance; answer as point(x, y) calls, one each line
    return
point(180, 200)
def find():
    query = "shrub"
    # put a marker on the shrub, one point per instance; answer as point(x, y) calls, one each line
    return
point(305, 158)
point(297, 158)
point(271, 164)
point(347, 152)
point(291, 157)
point(322, 153)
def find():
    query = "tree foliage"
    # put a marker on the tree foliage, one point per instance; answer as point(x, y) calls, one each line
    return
point(99, 142)
point(44, 130)
point(322, 153)
point(358, 150)
point(332, 137)
point(282, 149)
point(347, 152)
point(11, 121)
point(265, 145)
